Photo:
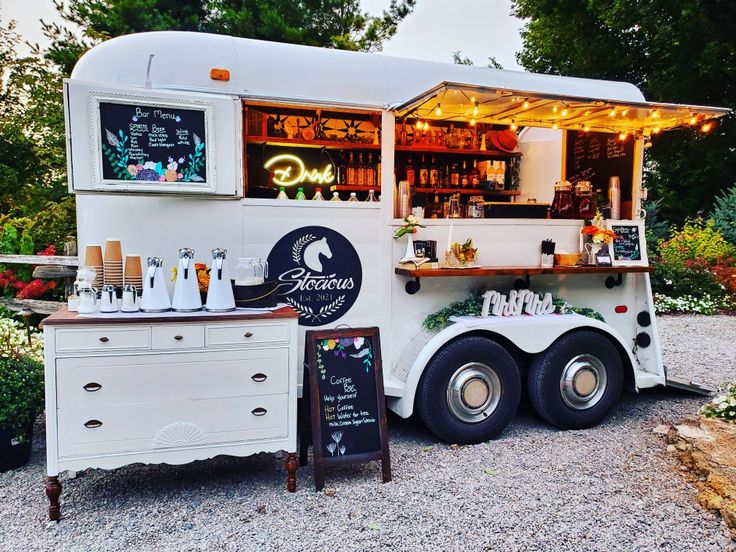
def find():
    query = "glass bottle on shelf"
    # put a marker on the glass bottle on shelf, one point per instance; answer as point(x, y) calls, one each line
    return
point(464, 176)
point(352, 197)
point(360, 171)
point(423, 173)
point(410, 173)
point(401, 136)
point(318, 195)
point(474, 175)
point(335, 197)
point(342, 169)
point(450, 137)
point(474, 138)
point(562, 206)
point(454, 176)
point(584, 201)
point(371, 197)
point(351, 176)
point(282, 193)
point(439, 139)
point(300, 195)
point(434, 177)
point(500, 175)
point(370, 172)
point(434, 210)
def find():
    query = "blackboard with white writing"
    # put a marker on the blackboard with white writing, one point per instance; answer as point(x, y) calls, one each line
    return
point(347, 403)
point(152, 144)
point(627, 243)
point(597, 156)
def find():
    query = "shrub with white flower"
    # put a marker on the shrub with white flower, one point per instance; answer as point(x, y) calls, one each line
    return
point(690, 304)
point(723, 406)
point(14, 341)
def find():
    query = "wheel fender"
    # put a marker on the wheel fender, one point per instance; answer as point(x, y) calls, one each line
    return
point(532, 334)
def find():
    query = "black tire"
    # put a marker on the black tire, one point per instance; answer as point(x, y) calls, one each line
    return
point(460, 359)
point(553, 400)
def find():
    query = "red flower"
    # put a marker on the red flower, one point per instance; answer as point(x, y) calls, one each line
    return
point(50, 251)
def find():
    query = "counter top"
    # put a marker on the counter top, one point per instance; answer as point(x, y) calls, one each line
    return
point(517, 271)
point(63, 317)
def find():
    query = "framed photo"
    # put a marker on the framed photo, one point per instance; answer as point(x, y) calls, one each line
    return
point(629, 245)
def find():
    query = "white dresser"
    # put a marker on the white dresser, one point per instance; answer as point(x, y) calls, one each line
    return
point(171, 389)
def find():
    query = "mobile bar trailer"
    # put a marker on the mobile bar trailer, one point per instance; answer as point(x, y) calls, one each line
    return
point(183, 139)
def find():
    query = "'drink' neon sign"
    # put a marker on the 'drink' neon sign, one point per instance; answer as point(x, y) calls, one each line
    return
point(289, 169)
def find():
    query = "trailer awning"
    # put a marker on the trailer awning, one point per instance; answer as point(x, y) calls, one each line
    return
point(466, 102)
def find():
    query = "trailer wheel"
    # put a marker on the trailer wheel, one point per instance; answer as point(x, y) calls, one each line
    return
point(576, 382)
point(470, 391)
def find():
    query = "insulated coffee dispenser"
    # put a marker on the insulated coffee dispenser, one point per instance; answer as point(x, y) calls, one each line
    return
point(220, 291)
point(186, 288)
point(155, 295)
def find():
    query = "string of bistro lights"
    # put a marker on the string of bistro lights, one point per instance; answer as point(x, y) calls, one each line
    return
point(518, 110)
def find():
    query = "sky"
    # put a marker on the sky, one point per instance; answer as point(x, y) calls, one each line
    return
point(477, 28)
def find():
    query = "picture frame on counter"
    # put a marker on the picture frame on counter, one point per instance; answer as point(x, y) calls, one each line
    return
point(629, 245)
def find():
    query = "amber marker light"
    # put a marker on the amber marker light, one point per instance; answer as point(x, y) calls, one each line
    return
point(219, 74)
point(707, 127)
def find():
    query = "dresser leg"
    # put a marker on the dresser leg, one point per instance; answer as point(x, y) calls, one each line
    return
point(291, 466)
point(53, 491)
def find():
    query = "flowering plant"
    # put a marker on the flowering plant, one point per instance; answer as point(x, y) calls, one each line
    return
point(10, 284)
point(411, 223)
point(203, 275)
point(597, 230)
point(723, 405)
point(465, 253)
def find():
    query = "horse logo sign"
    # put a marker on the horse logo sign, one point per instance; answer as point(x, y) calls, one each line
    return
point(318, 272)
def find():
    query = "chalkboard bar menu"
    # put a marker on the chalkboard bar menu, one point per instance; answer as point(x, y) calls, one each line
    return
point(148, 144)
point(346, 402)
point(628, 247)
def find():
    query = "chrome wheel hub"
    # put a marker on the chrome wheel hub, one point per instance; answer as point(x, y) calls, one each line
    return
point(583, 382)
point(473, 392)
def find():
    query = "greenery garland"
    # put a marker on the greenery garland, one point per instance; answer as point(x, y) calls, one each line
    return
point(472, 307)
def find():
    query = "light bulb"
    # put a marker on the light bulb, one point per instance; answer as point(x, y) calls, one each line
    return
point(513, 126)
point(564, 112)
point(475, 109)
point(707, 127)
point(693, 120)
point(472, 99)
point(656, 130)
point(586, 128)
point(655, 114)
point(525, 105)
point(587, 112)
point(624, 112)
point(419, 124)
point(555, 109)
point(612, 113)
point(472, 122)
point(622, 136)
point(555, 126)
point(438, 110)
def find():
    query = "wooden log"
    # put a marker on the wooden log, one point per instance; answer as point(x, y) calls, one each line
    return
point(33, 305)
point(58, 260)
point(53, 272)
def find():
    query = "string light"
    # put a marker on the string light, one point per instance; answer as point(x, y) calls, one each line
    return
point(525, 105)
point(472, 122)
point(513, 126)
point(707, 126)
point(555, 126)
point(693, 120)
point(555, 109)
point(655, 114)
point(587, 112)
point(624, 112)
point(475, 107)
point(612, 113)
point(622, 136)
point(564, 112)
point(438, 110)
point(656, 130)
point(419, 124)
point(472, 99)
point(586, 128)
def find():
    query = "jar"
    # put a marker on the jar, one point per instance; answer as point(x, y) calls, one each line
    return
point(562, 205)
point(584, 202)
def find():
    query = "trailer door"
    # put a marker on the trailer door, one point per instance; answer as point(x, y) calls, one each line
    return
point(152, 141)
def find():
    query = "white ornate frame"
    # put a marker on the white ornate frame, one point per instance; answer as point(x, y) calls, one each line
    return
point(644, 261)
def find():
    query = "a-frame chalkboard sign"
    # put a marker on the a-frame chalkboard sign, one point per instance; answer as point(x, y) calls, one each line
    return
point(343, 396)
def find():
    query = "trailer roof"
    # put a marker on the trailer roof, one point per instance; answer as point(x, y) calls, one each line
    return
point(286, 72)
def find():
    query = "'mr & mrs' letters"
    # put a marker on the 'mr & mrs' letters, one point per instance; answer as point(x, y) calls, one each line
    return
point(526, 301)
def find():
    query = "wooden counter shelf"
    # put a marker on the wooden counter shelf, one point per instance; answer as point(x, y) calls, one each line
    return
point(413, 286)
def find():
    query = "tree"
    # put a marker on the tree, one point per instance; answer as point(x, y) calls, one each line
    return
point(460, 59)
point(675, 51)
point(329, 23)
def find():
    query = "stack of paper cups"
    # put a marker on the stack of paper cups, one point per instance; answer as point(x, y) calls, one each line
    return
point(134, 272)
point(93, 259)
point(114, 263)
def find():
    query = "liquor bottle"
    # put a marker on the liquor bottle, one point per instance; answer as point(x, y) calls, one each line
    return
point(402, 136)
point(360, 171)
point(464, 176)
point(474, 175)
point(282, 193)
point(434, 177)
point(342, 169)
point(440, 138)
point(371, 197)
point(370, 172)
point(335, 196)
point(410, 173)
point(450, 136)
point(300, 195)
point(352, 197)
point(351, 176)
point(318, 195)
point(474, 139)
point(454, 176)
point(423, 173)
point(501, 175)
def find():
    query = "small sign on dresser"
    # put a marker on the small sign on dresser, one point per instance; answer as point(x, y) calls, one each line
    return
point(345, 399)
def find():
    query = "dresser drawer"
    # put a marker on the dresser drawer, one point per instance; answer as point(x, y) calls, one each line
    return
point(183, 336)
point(102, 339)
point(110, 429)
point(247, 334)
point(124, 380)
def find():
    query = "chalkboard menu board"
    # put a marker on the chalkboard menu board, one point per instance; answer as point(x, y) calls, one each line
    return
point(596, 156)
point(628, 245)
point(346, 400)
point(152, 144)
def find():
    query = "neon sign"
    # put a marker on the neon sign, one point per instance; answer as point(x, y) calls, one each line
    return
point(289, 169)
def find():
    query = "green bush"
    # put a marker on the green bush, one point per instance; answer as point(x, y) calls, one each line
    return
point(677, 281)
point(698, 240)
point(724, 214)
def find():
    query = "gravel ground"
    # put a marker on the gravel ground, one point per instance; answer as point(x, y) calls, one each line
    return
point(608, 488)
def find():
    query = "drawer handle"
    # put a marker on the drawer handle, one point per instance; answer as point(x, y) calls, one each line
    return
point(258, 411)
point(248, 334)
point(93, 424)
point(104, 339)
point(92, 387)
point(259, 377)
point(178, 337)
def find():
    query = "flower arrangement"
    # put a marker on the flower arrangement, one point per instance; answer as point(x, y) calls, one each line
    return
point(465, 253)
point(203, 275)
point(597, 231)
point(11, 285)
point(723, 406)
point(411, 223)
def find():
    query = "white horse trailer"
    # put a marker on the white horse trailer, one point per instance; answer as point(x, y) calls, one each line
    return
point(304, 112)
